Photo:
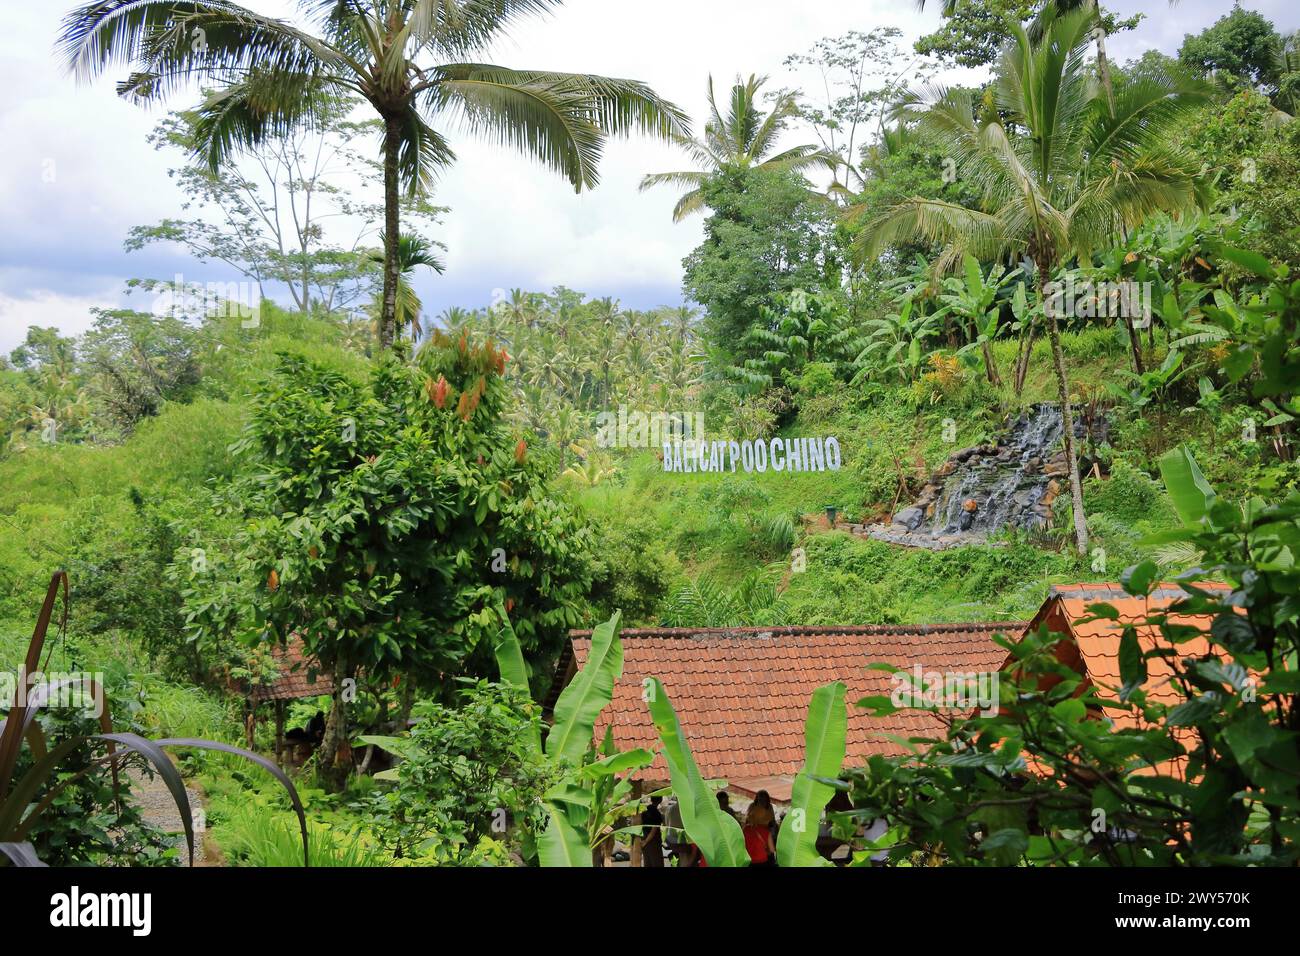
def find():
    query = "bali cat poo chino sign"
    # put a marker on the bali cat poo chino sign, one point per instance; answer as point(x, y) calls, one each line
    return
point(778, 454)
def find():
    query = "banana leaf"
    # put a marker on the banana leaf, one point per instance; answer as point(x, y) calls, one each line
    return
point(824, 740)
point(561, 844)
point(590, 692)
point(1190, 493)
point(716, 833)
point(510, 662)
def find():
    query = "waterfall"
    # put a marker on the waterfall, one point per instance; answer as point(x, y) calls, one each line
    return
point(1005, 484)
point(981, 490)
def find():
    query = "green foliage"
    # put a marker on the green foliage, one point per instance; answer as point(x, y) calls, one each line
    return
point(803, 329)
point(591, 792)
point(375, 514)
point(561, 119)
point(1234, 804)
point(54, 794)
point(705, 602)
point(767, 235)
point(90, 822)
point(253, 834)
point(825, 732)
point(1241, 46)
point(1128, 496)
point(743, 139)
point(468, 773)
point(631, 568)
point(895, 349)
point(973, 31)
point(715, 832)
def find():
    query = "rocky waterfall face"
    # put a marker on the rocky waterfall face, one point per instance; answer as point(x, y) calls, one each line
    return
point(980, 490)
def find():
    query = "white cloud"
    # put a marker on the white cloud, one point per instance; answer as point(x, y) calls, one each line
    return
point(511, 223)
point(68, 313)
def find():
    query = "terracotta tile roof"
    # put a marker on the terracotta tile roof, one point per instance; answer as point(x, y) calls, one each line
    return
point(300, 676)
point(1098, 641)
point(742, 693)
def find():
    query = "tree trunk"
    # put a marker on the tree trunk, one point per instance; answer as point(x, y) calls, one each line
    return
point(336, 733)
point(1022, 355)
point(1135, 345)
point(991, 365)
point(1103, 62)
point(388, 312)
point(1067, 423)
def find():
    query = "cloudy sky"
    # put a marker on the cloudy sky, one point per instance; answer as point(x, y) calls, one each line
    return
point(76, 172)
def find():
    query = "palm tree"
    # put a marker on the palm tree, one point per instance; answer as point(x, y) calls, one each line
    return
point(412, 252)
point(740, 140)
point(406, 58)
point(1058, 178)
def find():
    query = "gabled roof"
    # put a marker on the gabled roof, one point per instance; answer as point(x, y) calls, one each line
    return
point(742, 693)
point(300, 676)
point(1097, 642)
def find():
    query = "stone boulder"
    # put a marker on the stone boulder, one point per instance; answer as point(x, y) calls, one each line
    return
point(910, 518)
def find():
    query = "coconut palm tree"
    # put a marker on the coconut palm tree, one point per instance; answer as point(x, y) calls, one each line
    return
point(411, 60)
point(1058, 177)
point(412, 252)
point(742, 139)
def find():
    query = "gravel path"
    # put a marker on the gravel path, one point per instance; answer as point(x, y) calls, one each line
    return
point(159, 809)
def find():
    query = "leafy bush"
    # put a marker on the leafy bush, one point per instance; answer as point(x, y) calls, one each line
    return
point(469, 780)
point(1128, 496)
point(631, 568)
point(251, 834)
point(705, 602)
point(778, 535)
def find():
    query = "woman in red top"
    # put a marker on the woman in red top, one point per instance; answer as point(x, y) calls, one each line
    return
point(758, 831)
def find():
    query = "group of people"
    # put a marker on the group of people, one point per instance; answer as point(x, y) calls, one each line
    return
point(662, 830)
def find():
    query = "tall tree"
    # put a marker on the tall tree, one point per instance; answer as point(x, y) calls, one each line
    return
point(269, 218)
point(743, 139)
point(1059, 170)
point(406, 58)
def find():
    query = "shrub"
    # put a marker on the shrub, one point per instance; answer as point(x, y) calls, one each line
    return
point(1128, 496)
point(468, 775)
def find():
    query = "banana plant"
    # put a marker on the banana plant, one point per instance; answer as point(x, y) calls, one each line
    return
point(974, 299)
point(1153, 383)
point(716, 833)
point(803, 328)
point(593, 790)
point(895, 344)
point(825, 733)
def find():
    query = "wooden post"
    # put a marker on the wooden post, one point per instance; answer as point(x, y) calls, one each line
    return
point(279, 730)
point(250, 720)
point(635, 859)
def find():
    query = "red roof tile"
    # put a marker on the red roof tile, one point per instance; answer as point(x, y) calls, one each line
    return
point(1098, 643)
point(300, 676)
point(742, 693)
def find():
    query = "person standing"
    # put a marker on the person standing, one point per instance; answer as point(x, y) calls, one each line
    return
point(652, 846)
point(759, 819)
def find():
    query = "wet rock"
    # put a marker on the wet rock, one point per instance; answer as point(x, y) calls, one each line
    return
point(910, 518)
